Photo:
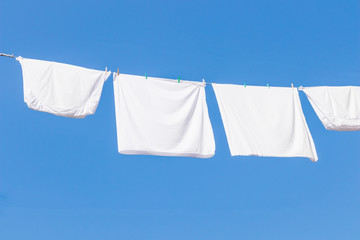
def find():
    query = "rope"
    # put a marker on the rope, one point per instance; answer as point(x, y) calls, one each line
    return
point(7, 55)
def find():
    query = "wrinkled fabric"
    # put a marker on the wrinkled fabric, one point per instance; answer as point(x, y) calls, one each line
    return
point(61, 89)
point(156, 116)
point(338, 108)
point(264, 121)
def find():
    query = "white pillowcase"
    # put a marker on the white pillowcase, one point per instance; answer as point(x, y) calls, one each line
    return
point(338, 108)
point(264, 121)
point(156, 116)
point(61, 89)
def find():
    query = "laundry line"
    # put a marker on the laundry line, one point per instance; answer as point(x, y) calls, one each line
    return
point(7, 55)
point(176, 121)
point(146, 76)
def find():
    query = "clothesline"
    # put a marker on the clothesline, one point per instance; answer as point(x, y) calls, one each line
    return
point(7, 55)
point(162, 117)
point(206, 83)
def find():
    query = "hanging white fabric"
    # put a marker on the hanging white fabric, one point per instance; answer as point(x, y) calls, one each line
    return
point(264, 121)
point(338, 108)
point(61, 89)
point(156, 116)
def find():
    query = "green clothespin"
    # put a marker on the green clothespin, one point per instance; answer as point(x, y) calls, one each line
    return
point(268, 85)
point(145, 75)
point(245, 85)
point(179, 80)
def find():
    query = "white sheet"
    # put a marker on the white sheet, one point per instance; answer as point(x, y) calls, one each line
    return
point(338, 108)
point(264, 121)
point(61, 89)
point(157, 116)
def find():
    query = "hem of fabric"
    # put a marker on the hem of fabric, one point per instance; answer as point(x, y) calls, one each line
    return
point(166, 154)
point(201, 84)
point(88, 108)
point(260, 155)
point(20, 58)
point(340, 124)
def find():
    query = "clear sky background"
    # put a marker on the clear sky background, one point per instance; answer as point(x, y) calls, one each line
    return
point(62, 178)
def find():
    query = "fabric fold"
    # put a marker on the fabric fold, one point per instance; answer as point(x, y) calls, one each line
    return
point(338, 108)
point(156, 116)
point(61, 89)
point(262, 121)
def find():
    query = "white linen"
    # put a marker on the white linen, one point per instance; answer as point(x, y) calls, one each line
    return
point(156, 116)
point(264, 121)
point(338, 108)
point(61, 89)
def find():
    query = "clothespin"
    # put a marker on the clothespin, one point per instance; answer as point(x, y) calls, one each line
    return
point(268, 86)
point(118, 72)
point(179, 80)
point(204, 81)
point(292, 85)
point(145, 75)
point(105, 69)
point(244, 85)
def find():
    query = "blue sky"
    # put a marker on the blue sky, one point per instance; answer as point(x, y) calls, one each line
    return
point(62, 178)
